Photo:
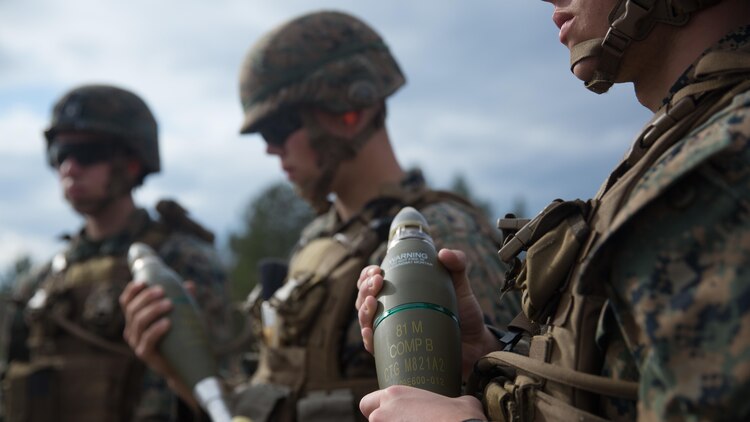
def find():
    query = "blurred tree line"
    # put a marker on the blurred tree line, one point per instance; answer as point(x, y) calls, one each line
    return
point(20, 267)
point(273, 220)
point(8, 277)
point(271, 224)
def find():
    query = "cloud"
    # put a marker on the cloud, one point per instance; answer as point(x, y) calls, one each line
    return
point(487, 96)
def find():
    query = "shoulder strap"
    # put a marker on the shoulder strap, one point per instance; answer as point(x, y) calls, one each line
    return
point(88, 337)
point(581, 380)
point(176, 218)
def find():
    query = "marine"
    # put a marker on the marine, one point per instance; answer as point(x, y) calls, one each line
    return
point(67, 359)
point(635, 301)
point(315, 89)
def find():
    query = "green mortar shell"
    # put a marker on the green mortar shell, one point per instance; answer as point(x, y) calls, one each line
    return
point(417, 338)
point(186, 345)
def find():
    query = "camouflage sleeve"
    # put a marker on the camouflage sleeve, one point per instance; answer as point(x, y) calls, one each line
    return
point(681, 283)
point(453, 227)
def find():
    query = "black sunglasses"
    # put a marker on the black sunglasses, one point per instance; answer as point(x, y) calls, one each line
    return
point(276, 129)
point(85, 153)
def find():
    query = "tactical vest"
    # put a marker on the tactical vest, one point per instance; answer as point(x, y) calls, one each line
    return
point(299, 376)
point(564, 297)
point(80, 368)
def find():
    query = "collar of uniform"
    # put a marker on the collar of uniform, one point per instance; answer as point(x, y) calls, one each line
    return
point(412, 183)
point(734, 40)
point(390, 199)
point(82, 247)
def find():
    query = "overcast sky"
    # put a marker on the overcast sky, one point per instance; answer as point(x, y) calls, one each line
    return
point(488, 96)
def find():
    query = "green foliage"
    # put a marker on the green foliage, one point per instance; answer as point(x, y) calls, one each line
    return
point(273, 221)
point(461, 186)
point(8, 278)
point(21, 266)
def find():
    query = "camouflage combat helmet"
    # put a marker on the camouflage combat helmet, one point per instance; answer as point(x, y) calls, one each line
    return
point(630, 21)
point(330, 60)
point(111, 111)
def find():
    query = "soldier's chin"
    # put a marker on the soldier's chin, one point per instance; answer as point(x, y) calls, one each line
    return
point(312, 195)
point(305, 192)
point(584, 70)
point(84, 206)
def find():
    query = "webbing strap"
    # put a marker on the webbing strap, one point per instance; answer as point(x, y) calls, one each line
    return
point(722, 61)
point(584, 50)
point(89, 337)
point(551, 409)
point(709, 85)
point(580, 380)
point(524, 323)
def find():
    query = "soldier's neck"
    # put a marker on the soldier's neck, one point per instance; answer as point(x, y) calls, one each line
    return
point(656, 77)
point(111, 219)
point(360, 180)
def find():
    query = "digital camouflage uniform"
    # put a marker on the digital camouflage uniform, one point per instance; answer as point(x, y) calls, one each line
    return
point(192, 257)
point(679, 267)
point(662, 277)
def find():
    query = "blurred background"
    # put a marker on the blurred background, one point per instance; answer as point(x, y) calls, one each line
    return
point(489, 109)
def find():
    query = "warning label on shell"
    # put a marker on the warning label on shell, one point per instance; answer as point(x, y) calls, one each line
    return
point(419, 258)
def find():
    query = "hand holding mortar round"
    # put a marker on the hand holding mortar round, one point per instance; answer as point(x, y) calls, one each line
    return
point(185, 346)
point(417, 339)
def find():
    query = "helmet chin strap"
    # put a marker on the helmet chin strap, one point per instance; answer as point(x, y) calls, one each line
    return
point(600, 82)
point(630, 20)
point(332, 150)
point(625, 25)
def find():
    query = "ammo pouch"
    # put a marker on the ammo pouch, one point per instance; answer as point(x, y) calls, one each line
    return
point(262, 403)
point(299, 301)
point(80, 388)
point(321, 406)
point(31, 392)
point(552, 240)
point(518, 388)
point(271, 402)
point(310, 312)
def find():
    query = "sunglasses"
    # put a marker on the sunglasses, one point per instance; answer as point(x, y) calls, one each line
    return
point(85, 153)
point(277, 128)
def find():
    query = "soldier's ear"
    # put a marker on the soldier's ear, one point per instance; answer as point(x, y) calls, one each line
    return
point(346, 124)
point(351, 118)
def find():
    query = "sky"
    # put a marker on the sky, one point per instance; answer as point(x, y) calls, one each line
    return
point(488, 97)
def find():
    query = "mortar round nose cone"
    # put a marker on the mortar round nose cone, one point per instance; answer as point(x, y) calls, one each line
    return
point(408, 216)
point(139, 250)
